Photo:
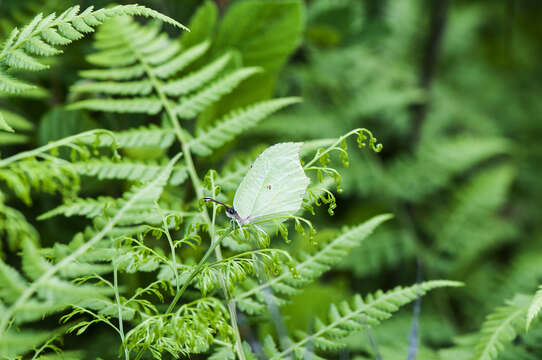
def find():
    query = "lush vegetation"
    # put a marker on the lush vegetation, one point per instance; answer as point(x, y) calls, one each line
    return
point(117, 120)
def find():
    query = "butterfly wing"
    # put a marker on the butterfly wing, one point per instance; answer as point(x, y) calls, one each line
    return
point(274, 186)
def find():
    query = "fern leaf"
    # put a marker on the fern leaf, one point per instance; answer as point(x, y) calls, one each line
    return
point(149, 105)
point(534, 308)
point(34, 265)
point(138, 137)
point(222, 353)
point(12, 284)
point(107, 169)
point(311, 267)
point(501, 327)
point(18, 59)
point(236, 123)
point(11, 85)
point(161, 50)
point(84, 207)
point(14, 227)
point(181, 61)
point(446, 157)
point(14, 343)
point(143, 87)
point(121, 73)
point(192, 105)
point(8, 138)
point(347, 317)
point(41, 36)
point(50, 287)
point(197, 78)
point(36, 46)
point(4, 125)
point(16, 121)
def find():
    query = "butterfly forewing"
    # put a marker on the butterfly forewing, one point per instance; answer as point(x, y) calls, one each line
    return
point(274, 186)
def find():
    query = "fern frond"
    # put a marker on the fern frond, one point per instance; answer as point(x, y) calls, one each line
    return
point(235, 123)
point(46, 176)
point(13, 342)
point(534, 308)
point(49, 286)
point(4, 126)
point(409, 178)
point(470, 225)
point(10, 85)
point(237, 268)
point(16, 121)
point(14, 228)
point(128, 170)
point(137, 137)
point(84, 207)
point(41, 36)
point(356, 315)
point(191, 329)
point(181, 61)
point(192, 105)
point(501, 327)
point(144, 105)
point(142, 87)
point(197, 78)
point(120, 73)
point(309, 267)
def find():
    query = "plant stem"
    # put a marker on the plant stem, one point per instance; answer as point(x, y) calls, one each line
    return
point(197, 269)
point(117, 298)
point(196, 183)
point(30, 290)
point(232, 310)
point(52, 145)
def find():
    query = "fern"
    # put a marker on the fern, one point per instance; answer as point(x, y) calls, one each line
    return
point(353, 316)
point(53, 292)
point(137, 46)
point(308, 268)
point(136, 137)
point(501, 327)
point(534, 308)
point(42, 35)
point(127, 170)
point(235, 123)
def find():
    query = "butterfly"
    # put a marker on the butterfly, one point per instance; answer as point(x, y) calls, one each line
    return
point(273, 188)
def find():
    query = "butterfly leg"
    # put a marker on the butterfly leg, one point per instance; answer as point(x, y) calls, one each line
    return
point(260, 229)
point(240, 230)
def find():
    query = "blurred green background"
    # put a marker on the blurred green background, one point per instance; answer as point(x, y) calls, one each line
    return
point(452, 90)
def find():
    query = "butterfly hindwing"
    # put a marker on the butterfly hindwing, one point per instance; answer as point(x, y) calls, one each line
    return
point(274, 186)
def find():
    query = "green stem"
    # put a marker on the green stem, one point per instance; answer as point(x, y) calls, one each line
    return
point(119, 307)
point(196, 183)
point(198, 269)
point(53, 145)
point(30, 290)
point(231, 309)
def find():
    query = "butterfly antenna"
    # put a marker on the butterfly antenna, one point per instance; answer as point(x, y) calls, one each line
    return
point(216, 201)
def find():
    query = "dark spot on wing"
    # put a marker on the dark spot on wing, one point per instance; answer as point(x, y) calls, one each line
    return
point(268, 187)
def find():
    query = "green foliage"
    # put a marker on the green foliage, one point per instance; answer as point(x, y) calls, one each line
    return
point(108, 152)
point(355, 315)
point(501, 327)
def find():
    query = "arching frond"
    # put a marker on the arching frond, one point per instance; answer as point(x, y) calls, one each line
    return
point(235, 123)
point(43, 34)
point(308, 267)
point(534, 308)
point(127, 170)
point(501, 327)
point(355, 315)
point(151, 135)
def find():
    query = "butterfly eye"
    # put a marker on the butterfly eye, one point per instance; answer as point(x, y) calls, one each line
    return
point(230, 211)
